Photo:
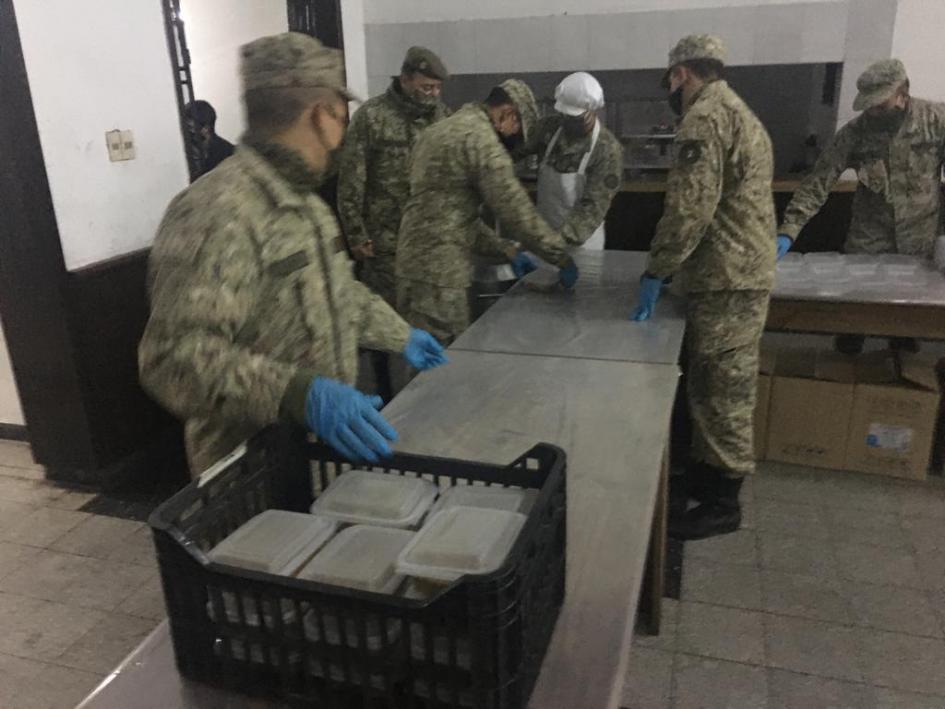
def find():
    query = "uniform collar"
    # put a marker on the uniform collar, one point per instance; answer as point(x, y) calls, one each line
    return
point(268, 176)
point(406, 104)
point(709, 88)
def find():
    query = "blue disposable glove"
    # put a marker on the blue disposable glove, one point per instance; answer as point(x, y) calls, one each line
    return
point(568, 276)
point(423, 351)
point(649, 293)
point(785, 243)
point(522, 265)
point(348, 420)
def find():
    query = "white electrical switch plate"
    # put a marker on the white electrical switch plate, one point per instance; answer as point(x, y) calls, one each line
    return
point(113, 142)
point(127, 145)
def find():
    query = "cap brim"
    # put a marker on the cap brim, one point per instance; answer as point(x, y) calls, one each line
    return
point(865, 101)
point(569, 110)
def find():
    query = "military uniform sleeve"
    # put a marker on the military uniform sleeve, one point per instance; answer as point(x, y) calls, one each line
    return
point(188, 357)
point(815, 188)
point(381, 328)
point(693, 191)
point(352, 180)
point(604, 175)
point(502, 192)
point(489, 243)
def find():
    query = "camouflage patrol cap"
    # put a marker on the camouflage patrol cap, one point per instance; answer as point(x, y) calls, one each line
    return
point(879, 82)
point(426, 62)
point(698, 46)
point(524, 101)
point(292, 60)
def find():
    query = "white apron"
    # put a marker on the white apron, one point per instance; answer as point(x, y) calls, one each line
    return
point(558, 192)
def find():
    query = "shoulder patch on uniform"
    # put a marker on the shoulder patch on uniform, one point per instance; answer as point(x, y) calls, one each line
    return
point(611, 182)
point(689, 152)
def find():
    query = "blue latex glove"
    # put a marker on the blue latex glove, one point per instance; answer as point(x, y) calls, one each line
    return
point(649, 293)
point(423, 351)
point(785, 243)
point(568, 276)
point(522, 265)
point(348, 420)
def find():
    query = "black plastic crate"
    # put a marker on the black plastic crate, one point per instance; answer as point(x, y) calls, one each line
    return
point(478, 643)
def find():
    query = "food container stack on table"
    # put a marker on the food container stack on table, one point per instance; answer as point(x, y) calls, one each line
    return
point(835, 273)
point(428, 583)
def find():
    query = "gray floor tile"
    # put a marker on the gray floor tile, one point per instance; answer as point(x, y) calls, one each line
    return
point(921, 501)
point(779, 481)
point(792, 518)
point(925, 533)
point(852, 526)
point(790, 690)
point(669, 628)
point(72, 500)
point(721, 584)
point(804, 596)
point(15, 674)
point(894, 699)
point(649, 679)
point(148, 601)
point(875, 565)
point(57, 687)
point(902, 662)
point(701, 682)
point(137, 548)
point(799, 555)
point(30, 492)
point(738, 548)
point(41, 630)
point(723, 633)
point(96, 536)
point(77, 580)
point(854, 491)
point(41, 526)
point(931, 568)
point(17, 454)
point(902, 610)
point(14, 556)
point(811, 647)
point(107, 643)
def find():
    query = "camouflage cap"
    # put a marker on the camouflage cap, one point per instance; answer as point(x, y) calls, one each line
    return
point(292, 59)
point(878, 83)
point(524, 101)
point(426, 62)
point(698, 46)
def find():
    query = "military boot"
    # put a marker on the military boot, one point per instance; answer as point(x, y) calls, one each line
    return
point(719, 513)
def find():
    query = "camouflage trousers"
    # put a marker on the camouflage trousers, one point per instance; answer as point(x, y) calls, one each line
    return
point(723, 336)
point(443, 312)
point(378, 274)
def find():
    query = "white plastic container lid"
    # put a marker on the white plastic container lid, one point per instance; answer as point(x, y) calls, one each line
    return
point(459, 541)
point(275, 541)
point(360, 557)
point(492, 497)
point(382, 499)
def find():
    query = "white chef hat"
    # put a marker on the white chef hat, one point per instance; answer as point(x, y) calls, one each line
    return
point(578, 93)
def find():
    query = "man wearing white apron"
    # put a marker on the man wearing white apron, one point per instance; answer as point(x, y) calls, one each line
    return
point(581, 163)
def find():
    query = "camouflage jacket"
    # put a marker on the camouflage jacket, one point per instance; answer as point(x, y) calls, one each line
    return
point(250, 286)
point(898, 202)
point(457, 167)
point(718, 224)
point(372, 181)
point(604, 173)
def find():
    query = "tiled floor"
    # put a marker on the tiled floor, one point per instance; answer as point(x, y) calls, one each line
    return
point(77, 591)
point(832, 595)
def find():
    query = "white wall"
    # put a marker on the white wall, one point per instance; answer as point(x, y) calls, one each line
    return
point(96, 66)
point(215, 31)
point(917, 40)
point(10, 411)
point(352, 24)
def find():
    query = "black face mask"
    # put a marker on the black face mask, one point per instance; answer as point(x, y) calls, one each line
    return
point(573, 126)
point(888, 119)
point(510, 141)
point(675, 101)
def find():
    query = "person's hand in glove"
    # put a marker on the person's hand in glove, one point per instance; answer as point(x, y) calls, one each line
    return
point(348, 420)
point(522, 265)
point(423, 351)
point(650, 288)
point(785, 243)
point(568, 276)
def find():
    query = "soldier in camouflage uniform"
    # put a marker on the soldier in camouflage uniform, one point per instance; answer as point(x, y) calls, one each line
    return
point(255, 314)
point(458, 166)
point(717, 236)
point(897, 147)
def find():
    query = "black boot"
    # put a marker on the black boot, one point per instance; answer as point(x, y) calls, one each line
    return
point(720, 513)
point(698, 482)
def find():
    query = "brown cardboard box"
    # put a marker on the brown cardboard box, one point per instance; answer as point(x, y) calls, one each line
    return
point(895, 411)
point(763, 401)
point(809, 415)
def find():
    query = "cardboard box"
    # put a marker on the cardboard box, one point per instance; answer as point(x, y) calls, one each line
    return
point(895, 411)
point(809, 414)
point(763, 401)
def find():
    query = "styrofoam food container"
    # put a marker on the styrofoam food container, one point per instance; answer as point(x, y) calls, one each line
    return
point(381, 499)
point(459, 541)
point(360, 557)
point(823, 257)
point(489, 497)
point(275, 541)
